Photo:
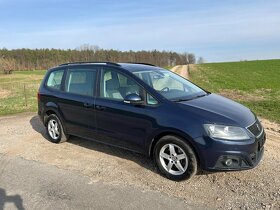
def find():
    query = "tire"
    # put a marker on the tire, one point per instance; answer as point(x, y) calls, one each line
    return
point(175, 158)
point(54, 129)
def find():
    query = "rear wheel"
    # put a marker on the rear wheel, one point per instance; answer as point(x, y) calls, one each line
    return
point(55, 130)
point(175, 158)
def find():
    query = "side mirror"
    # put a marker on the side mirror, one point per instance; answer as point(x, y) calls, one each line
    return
point(133, 99)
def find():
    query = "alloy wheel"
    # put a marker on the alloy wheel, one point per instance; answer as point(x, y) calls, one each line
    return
point(53, 129)
point(173, 159)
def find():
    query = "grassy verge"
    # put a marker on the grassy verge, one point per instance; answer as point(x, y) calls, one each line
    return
point(255, 84)
point(18, 91)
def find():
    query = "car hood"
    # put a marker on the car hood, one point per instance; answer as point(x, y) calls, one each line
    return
point(217, 109)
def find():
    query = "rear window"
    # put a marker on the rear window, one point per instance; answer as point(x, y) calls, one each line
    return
point(55, 79)
point(81, 82)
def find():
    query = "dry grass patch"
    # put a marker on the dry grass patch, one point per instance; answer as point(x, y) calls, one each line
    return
point(257, 95)
point(4, 93)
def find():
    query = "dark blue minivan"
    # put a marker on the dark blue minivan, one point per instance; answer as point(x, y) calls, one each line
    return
point(152, 111)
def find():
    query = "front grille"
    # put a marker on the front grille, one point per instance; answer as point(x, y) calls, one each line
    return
point(256, 129)
point(261, 143)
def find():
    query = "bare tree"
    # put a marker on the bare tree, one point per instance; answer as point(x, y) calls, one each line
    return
point(191, 58)
point(7, 65)
point(200, 60)
point(88, 47)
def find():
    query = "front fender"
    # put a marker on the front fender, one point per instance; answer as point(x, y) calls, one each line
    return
point(156, 135)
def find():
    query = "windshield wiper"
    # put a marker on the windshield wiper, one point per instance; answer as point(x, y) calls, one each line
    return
point(181, 99)
point(187, 99)
point(200, 96)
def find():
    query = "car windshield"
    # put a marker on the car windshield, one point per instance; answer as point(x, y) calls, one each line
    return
point(170, 85)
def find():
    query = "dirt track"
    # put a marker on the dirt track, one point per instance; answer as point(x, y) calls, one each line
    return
point(24, 136)
point(181, 70)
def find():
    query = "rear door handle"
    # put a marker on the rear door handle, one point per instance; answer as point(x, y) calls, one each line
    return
point(100, 108)
point(88, 105)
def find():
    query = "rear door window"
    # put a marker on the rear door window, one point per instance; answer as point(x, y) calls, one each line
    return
point(81, 81)
point(55, 79)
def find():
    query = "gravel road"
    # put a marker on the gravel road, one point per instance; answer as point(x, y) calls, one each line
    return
point(26, 184)
point(22, 139)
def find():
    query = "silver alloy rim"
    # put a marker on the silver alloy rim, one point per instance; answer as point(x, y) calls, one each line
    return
point(53, 129)
point(173, 159)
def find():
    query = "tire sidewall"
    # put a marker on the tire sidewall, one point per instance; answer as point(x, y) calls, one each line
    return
point(54, 117)
point(192, 160)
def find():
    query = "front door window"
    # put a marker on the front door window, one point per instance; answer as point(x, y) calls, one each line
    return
point(116, 86)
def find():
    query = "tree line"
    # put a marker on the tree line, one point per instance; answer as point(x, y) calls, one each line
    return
point(38, 59)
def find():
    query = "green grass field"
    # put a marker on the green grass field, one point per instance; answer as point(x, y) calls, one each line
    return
point(255, 84)
point(18, 91)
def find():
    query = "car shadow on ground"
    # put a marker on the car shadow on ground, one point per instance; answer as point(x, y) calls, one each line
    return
point(15, 199)
point(140, 159)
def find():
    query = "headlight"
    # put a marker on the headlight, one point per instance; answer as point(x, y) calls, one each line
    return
point(226, 132)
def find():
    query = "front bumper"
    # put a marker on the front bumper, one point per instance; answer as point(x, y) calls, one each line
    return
point(218, 155)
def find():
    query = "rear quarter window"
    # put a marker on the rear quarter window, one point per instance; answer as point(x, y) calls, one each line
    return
point(55, 79)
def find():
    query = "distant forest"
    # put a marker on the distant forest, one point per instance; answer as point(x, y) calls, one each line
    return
point(37, 59)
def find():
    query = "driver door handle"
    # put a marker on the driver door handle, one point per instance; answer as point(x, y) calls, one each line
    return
point(100, 108)
point(88, 105)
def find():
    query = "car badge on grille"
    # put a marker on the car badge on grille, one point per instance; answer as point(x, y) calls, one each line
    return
point(258, 127)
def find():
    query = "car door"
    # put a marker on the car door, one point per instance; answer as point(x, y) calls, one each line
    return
point(77, 103)
point(118, 123)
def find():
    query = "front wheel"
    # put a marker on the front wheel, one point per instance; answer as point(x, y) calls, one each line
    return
point(175, 158)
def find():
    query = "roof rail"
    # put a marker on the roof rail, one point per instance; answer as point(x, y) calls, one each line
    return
point(90, 62)
point(148, 64)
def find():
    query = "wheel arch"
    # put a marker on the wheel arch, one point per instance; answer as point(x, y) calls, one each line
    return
point(180, 135)
point(52, 108)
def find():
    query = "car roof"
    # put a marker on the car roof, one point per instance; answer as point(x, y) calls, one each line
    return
point(132, 67)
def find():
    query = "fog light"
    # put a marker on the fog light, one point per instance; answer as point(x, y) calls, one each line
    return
point(228, 162)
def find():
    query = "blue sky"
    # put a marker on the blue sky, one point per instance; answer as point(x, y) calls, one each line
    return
point(222, 30)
